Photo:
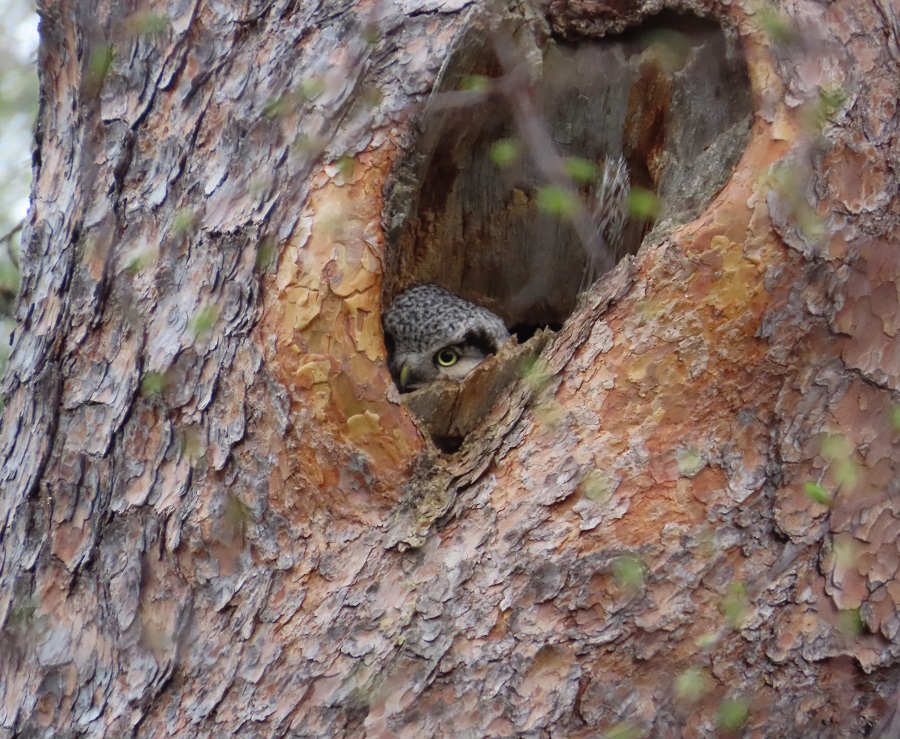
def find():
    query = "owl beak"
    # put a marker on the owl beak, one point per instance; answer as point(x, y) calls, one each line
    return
point(404, 376)
point(410, 377)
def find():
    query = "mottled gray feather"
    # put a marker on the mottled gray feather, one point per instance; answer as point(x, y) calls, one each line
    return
point(424, 319)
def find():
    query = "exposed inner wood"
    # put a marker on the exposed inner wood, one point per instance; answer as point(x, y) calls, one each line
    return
point(672, 96)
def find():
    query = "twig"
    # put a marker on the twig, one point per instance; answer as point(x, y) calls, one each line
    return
point(7, 239)
point(550, 164)
point(514, 87)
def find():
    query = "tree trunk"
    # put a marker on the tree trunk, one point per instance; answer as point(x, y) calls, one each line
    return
point(218, 515)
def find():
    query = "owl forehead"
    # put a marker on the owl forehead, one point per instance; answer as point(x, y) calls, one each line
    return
point(428, 317)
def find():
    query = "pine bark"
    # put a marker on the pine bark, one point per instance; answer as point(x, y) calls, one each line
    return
point(218, 516)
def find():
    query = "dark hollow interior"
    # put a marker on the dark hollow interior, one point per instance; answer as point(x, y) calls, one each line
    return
point(672, 96)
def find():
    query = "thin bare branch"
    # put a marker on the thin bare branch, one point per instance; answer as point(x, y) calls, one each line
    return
point(7, 240)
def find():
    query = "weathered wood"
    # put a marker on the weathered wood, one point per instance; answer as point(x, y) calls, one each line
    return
point(676, 103)
point(218, 517)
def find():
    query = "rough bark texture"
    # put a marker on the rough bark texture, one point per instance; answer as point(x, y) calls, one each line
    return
point(218, 517)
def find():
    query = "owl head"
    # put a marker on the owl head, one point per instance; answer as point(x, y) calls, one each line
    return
point(431, 334)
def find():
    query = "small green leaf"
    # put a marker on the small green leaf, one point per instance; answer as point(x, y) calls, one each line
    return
point(690, 685)
point(23, 614)
point(836, 446)
point(557, 200)
point(346, 165)
point(138, 262)
point(549, 414)
point(371, 33)
point(306, 144)
point(312, 87)
point(838, 451)
point(823, 109)
point(776, 26)
point(787, 181)
point(733, 713)
point(629, 572)
point(185, 222)
point(624, 730)
point(237, 514)
point(192, 441)
point(265, 255)
point(643, 203)
point(10, 277)
point(671, 48)
point(152, 384)
point(580, 170)
point(707, 641)
point(204, 320)
point(373, 97)
point(845, 551)
point(846, 472)
point(474, 83)
point(148, 23)
point(99, 63)
point(597, 486)
point(850, 622)
point(535, 372)
point(895, 418)
point(816, 492)
point(734, 606)
point(277, 107)
point(504, 152)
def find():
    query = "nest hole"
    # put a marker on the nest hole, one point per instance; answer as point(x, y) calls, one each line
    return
point(467, 207)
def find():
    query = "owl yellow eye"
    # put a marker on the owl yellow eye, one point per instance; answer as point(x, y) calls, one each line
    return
point(447, 357)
